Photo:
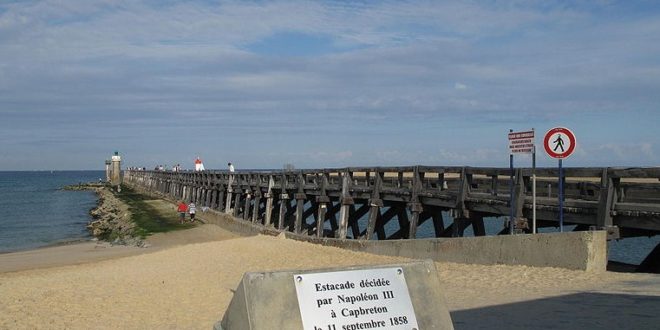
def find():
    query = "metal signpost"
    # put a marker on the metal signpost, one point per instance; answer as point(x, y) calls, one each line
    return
point(559, 143)
point(522, 143)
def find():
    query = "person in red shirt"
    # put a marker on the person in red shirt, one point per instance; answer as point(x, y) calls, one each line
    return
point(182, 208)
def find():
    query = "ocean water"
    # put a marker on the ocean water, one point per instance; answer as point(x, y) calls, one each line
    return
point(36, 212)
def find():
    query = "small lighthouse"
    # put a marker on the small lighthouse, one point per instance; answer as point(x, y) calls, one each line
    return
point(115, 173)
point(199, 166)
point(108, 170)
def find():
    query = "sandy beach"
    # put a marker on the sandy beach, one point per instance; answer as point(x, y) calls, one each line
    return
point(184, 280)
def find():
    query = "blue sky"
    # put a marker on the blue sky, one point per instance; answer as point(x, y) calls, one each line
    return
point(325, 84)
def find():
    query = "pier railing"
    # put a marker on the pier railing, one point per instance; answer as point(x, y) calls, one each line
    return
point(362, 202)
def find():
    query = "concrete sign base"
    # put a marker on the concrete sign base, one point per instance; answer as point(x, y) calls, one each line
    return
point(269, 300)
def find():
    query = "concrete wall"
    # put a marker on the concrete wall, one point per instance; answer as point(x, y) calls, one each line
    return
point(235, 225)
point(585, 250)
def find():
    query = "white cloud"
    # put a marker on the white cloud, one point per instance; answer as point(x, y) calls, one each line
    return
point(625, 152)
point(427, 72)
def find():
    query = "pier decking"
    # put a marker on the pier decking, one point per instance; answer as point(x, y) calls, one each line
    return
point(626, 202)
point(392, 202)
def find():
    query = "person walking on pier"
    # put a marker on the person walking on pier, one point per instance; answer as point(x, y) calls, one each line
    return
point(182, 208)
point(192, 209)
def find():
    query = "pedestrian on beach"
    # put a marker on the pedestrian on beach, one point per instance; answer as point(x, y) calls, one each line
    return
point(191, 210)
point(182, 208)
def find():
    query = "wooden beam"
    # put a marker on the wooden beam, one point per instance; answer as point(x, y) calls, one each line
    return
point(300, 202)
point(478, 226)
point(320, 219)
point(246, 207)
point(284, 203)
point(607, 200)
point(346, 202)
point(268, 213)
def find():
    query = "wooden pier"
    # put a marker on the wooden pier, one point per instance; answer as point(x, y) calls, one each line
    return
point(392, 202)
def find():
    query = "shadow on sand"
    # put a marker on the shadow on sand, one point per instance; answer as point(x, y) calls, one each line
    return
point(575, 311)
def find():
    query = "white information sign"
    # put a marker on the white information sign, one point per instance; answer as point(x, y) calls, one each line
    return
point(355, 299)
point(521, 142)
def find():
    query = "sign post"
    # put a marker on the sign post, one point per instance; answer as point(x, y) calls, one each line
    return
point(559, 143)
point(521, 143)
point(511, 200)
point(534, 190)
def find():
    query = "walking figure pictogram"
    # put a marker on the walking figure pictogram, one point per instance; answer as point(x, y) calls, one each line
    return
point(559, 142)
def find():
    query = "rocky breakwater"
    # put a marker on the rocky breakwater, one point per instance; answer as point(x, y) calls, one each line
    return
point(111, 218)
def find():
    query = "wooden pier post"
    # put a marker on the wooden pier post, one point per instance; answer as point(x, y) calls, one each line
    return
point(256, 209)
point(478, 226)
point(284, 201)
point(519, 196)
point(606, 199)
point(208, 190)
point(214, 198)
point(375, 203)
point(300, 203)
point(246, 208)
point(269, 202)
point(230, 190)
point(323, 200)
point(284, 204)
point(415, 206)
point(237, 203)
point(346, 202)
point(221, 197)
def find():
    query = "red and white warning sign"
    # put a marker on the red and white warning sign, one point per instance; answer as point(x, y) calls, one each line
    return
point(521, 142)
point(559, 142)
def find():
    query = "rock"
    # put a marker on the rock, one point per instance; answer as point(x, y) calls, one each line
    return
point(112, 219)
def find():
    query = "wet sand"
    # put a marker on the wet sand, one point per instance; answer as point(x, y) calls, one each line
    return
point(90, 251)
point(184, 280)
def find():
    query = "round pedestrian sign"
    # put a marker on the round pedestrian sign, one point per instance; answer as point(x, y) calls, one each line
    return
point(559, 142)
